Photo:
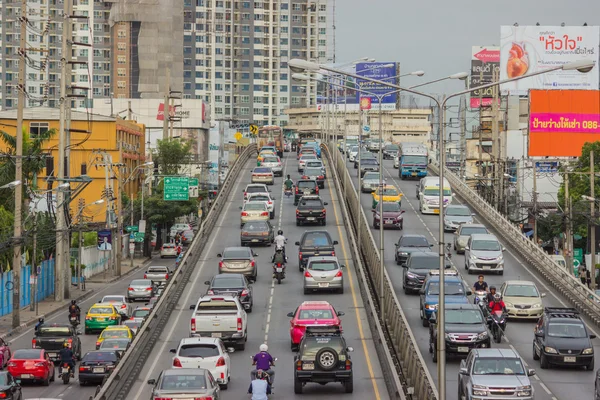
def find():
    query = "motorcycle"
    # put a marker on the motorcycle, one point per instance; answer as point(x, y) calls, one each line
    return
point(288, 192)
point(253, 372)
point(480, 297)
point(498, 322)
point(66, 373)
point(73, 320)
point(279, 272)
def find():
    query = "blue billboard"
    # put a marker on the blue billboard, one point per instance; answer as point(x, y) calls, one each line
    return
point(381, 71)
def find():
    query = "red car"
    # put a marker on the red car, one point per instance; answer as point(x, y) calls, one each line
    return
point(312, 313)
point(33, 365)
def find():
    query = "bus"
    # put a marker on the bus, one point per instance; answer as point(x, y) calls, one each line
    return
point(271, 135)
point(412, 160)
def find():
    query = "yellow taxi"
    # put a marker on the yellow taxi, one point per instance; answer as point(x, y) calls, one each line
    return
point(390, 194)
point(114, 332)
point(100, 316)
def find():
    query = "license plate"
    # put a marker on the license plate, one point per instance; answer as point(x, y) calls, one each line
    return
point(413, 174)
point(279, 269)
point(64, 370)
point(216, 334)
point(310, 218)
point(463, 349)
point(436, 211)
point(570, 359)
point(99, 319)
point(308, 367)
point(486, 267)
point(255, 240)
point(323, 284)
point(98, 370)
point(26, 376)
point(388, 222)
point(52, 355)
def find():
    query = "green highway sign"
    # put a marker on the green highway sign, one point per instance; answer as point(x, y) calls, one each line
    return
point(139, 237)
point(133, 228)
point(194, 182)
point(177, 188)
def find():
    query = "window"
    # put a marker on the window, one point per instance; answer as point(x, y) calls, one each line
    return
point(246, 75)
point(283, 88)
point(295, 18)
point(295, 7)
point(244, 110)
point(246, 28)
point(121, 59)
point(323, 7)
point(37, 128)
point(283, 41)
point(322, 31)
point(283, 77)
point(121, 84)
point(122, 46)
point(245, 99)
point(283, 100)
point(284, 18)
point(322, 18)
point(285, 6)
point(121, 33)
point(121, 72)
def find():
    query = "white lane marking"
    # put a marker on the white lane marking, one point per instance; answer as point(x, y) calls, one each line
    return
point(545, 388)
point(190, 289)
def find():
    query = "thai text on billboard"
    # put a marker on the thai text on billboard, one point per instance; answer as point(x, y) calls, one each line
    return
point(485, 67)
point(383, 71)
point(562, 121)
point(528, 49)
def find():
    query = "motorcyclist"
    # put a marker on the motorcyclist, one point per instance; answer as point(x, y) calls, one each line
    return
point(289, 183)
point(263, 361)
point(480, 285)
point(75, 310)
point(497, 304)
point(39, 323)
point(259, 387)
point(280, 241)
point(66, 356)
point(491, 294)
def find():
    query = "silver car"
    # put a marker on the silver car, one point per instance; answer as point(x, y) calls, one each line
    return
point(484, 253)
point(168, 250)
point(323, 273)
point(455, 216)
point(185, 383)
point(133, 325)
point(157, 274)
point(462, 234)
point(352, 153)
point(120, 303)
point(274, 163)
point(140, 289)
point(370, 182)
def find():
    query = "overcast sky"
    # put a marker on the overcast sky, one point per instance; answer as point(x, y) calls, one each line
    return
point(436, 35)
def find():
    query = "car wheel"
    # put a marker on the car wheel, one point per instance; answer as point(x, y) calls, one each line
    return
point(241, 346)
point(544, 364)
point(162, 256)
point(53, 375)
point(349, 385)
point(87, 331)
point(297, 386)
point(324, 222)
point(46, 382)
point(272, 215)
point(327, 358)
point(535, 355)
point(249, 310)
point(224, 386)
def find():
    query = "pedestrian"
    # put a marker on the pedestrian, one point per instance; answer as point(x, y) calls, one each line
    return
point(584, 276)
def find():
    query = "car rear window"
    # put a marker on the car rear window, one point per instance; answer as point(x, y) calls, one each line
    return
point(253, 206)
point(114, 344)
point(54, 331)
point(183, 382)
point(198, 350)
point(110, 299)
point(311, 203)
point(323, 266)
point(255, 189)
point(391, 207)
point(236, 253)
point(224, 281)
point(315, 314)
point(256, 227)
point(102, 310)
point(168, 246)
point(24, 354)
point(222, 306)
point(258, 198)
point(117, 333)
point(316, 239)
point(133, 325)
point(308, 157)
point(141, 282)
point(263, 170)
point(414, 241)
point(270, 160)
point(158, 269)
point(466, 231)
point(369, 161)
point(100, 356)
point(313, 171)
point(307, 184)
point(315, 164)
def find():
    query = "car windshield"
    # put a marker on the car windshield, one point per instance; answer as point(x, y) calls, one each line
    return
point(458, 211)
point(54, 330)
point(414, 241)
point(133, 325)
point(391, 207)
point(316, 239)
point(264, 170)
point(117, 299)
point(224, 281)
point(485, 245)
point(393, 147)
point(323, 266)
point(469, 230)
point(414, 160)
point(498, 366)
point(256, 227)
point(141, 282)
point(255, 189)
point(307, 184)
point(369, 161)
point(452, 289)
point(141, 313)
point(313, 171)
point(436, 192)
point(432, 262)
point(315, 314)
point(198, 350)
point(353, 149)
point(390, 192)
point(236, 253)
point(566, 330)
point(311, 347)
point(26, 354)
point(371, 176)
point(117, 333)
point(521, 291)
point(308, 157)
point(168, 246)
point(255, 206)
point(101, 310)
point(463, 317)
point(100, 356)
point(311, 203)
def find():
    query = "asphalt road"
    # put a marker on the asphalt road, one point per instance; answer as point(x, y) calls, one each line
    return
point(554, 383)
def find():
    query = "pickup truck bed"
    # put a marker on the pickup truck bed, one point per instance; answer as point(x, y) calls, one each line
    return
point(221, 317)
point(51, 337)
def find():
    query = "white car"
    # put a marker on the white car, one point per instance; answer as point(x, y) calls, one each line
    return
point(303, 159)
point(274, 163)
point(264, 198)
point(352, 153)
point(119, 302)
point(221, 317)
point(178, 228)
point(255, 188)
point(207, 353)
point(397, 162)
point(262, 175)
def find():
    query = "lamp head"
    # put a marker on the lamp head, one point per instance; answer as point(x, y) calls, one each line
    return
point(460, 75)
point(418, 73)
point(11, 185)
point(298, 65)
point(300, 77)
point(98, 201)
point(582, 66)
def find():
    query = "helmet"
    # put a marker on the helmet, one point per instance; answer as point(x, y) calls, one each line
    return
point(65, 345)
point(497, 297)
point(280, 232)
point(74, 302)
point(264, 347)
point(492, 288)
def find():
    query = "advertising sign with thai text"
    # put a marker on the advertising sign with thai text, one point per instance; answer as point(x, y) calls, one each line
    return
point(485, 66)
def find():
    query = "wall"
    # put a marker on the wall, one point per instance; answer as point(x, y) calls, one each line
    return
point(44, 286)
point(95, 261)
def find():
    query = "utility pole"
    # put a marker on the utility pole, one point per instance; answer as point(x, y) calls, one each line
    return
point(567, 223)
point(131, 251)
point(535, 213)
point(495, 144)
point(221, 154)
point(463, 131)
point(33, 293)
point(592, 222)
point(119, 245)
point(166, 111)
point(480, 168)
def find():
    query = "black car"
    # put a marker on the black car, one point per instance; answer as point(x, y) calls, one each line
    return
point(10, 389)
point(561, 338)
point(305, 187)
point(369, 164)
point(97, 365)
point(52, 337)
point(232, 284)
point(314, 243)
point(311, 209)
point(417, 268)
point(465, 329)
point(408, 244)
point(257, 232)
point(323, 357)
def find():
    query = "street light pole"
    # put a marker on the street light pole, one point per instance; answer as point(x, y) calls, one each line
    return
point(381, 219)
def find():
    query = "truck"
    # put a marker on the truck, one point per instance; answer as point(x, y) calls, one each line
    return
point(220, 316)
point(52, 337)
point(271, 135)
point(412, 160)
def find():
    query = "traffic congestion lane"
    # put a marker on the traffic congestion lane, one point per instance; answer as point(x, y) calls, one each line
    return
point(73, 389)
point(269, 322)
point(519, 334)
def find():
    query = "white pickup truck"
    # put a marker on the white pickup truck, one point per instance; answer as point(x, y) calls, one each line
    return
point(220, 316)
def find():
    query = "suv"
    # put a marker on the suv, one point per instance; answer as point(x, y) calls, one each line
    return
point(323, 357)
point(304, 187)
point(456, 292)
point(408, 244)
point(465, 329)
point(494, 374)
point(483, 253)
point(314, 244)
point(368, 164)
point(311, 209)
point(561, 338)
point(417, 268)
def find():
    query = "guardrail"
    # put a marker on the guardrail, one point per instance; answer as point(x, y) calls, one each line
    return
point(408, 363)
point(122, 379)
point(582, 298)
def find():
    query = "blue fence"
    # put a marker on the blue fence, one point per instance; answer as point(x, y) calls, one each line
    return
point(45, 286)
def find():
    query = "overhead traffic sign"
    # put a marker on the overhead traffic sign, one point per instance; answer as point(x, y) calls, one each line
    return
point(177, 188)
point(366, 128)
point(132, 228)
point(253, 129)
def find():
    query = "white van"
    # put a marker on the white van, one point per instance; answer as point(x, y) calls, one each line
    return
point(429, 181)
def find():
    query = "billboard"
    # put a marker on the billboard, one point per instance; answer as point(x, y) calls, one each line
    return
point(104, 240)
point(529, 49)
point(485, 61)
point(562, 121)
point(380, 71)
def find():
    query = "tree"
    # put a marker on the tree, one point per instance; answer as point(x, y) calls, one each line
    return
point(171, 154)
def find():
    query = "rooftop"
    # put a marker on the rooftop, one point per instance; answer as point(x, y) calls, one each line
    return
point(50, 114)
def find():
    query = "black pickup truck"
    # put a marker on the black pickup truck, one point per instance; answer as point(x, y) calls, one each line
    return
point(311, 209)
point(51, 337)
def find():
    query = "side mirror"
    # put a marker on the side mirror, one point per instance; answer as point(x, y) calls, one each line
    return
point(219, 255)
point(543, 295)
point(151, 381)
point(172, 350)
point(255, 254)
point(404, 265)
point(402, 212)
point(539, 334)
point(342, 266)
point(463, 371)
point(340, 313)
point(325, 203)
point(503, 248)
point(207, 282)
point(349, 349)
point(592, 336)
point(297, 243)
point(335, 242)
point(290, 315)
point(472, 214)
point(192, 306)
point(530, 372)
point(230, 349)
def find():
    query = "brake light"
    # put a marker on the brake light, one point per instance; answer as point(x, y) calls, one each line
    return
point(123, 306)
point(333, 253)
point(148, 289)
point(307, 275)
point(40, 364)
point(70, 343)
point(304, 177)
point(317, 189)
point(279, 264)
point(210, 292)
point(244, 214)
point(220, 264)
point(162, 248)
point(33, 342)
point(167, 276)
point(239, 324)
point(299, 365)
point(252, 263)
point(193, 324)
point(176, 362)
point(244, 292)
point(296, 189)
point(129, 289)
point(348, 365)
point(269, 202)
point(321, 177)
point(83, 369)
point(145, 276)
point(245, 194)
point(324, 211)
point(300, 255)
point(264, 213)
point(97, 344)
point(297, 212)
point(339, 274)
point(220, 362)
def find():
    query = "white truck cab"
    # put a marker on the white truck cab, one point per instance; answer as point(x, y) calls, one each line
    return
point(222, 317)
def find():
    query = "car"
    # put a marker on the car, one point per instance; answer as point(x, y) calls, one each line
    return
point(417, 268)
point(262, 175)
point(392, 216)
point(410, 243)
point(494, 374)
point(134, 325)
point(306, 151)
point(368, 164)
point(118, 345)
point(10, 389)
point(483, 253)
point(238, 260)
point(561, 338)
point(287, 147)
point(397, 162)
point(463, 233)
point(266, 152)
point(140, 289)
point(375, 145)
point(323, 273)
point(456, 292)
point(303, 159)
point(114, 332)
point(352, 153)
point(255, 188)
point(101, 316)
point(120, 303)
point(178, 228)
point(305, 187)
point(187, 237)
point(465, 329)
point(205, 353)
point(311, 313)
point(157, 274)
point(390, 151)
point(32, 365)
point(370, 182)
point(323, 357)
point(257, 232)
point(311, 209)
point(317, 164)
point(220, 316)
point(152, 301)
point(315, 174)
point(96, 365)
point(254, 211)
point(232, 283)
point(264, 198)
point(314, 243)
point(274, 163)
point(5, 352)
point(429, 199)
point(456, 215)
point(522, 299)
point(140, 314)
point(192, 383)
point(315, 146)
point(388, 193)
point(168, 250)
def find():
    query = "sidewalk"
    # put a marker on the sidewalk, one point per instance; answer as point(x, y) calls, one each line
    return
point(48, 306)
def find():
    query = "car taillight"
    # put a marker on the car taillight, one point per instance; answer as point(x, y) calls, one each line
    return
point(239, 324)
point(244, 292)
point(333, 254)
point(321, 177)
point(33, 342)
point(300, 255)
point(70, 343)
point(193, 324)
point(244, 214)
point(130, 289)
point(324, 211)
point(339, 274)
point(252, 263)
point(299, 365)
point(348, 365)
point(220, 362)
point(296, 189)
point(167, 276)
point(269, 202)
point(317, 190)
point(304, 177)
point(162, 248)
point(40, 364)
point(264, 214)
point(307, 275)
point(98, 344)
point(145, 276)
point(148, 289)
point(123, 306)
point(176, 362)
point(221, 265)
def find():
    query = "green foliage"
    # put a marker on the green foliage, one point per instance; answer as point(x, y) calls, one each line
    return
point(170, 154)
point(89, 239)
